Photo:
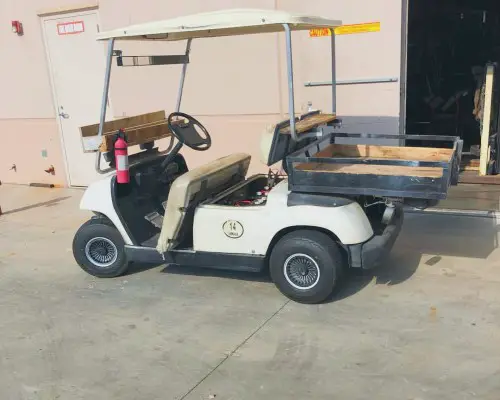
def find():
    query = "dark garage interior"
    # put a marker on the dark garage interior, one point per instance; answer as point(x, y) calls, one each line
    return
point(450, 45)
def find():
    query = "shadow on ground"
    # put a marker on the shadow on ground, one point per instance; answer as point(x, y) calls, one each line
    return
point(218, 273)
point(434, 236)
point(450, 235)
point(423, 234)
point(49, 203)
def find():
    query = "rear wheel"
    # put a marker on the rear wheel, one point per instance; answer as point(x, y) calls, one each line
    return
point(306, 265)
point(99, 249)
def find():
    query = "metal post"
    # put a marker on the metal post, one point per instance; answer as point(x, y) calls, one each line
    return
point(104, 104)
point(291, 100)
point(183, 76)
point(334, 74)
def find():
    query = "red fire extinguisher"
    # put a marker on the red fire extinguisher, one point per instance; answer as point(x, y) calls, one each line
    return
point(121, 158)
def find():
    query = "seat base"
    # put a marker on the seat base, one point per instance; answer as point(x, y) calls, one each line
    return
point(195, 187)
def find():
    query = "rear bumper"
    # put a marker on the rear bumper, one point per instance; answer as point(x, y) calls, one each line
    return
point(372, 253)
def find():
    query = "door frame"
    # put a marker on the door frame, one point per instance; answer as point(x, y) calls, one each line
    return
point(403, 81)
point(52, 15)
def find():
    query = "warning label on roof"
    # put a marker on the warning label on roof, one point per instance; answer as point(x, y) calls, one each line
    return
point(347, 29)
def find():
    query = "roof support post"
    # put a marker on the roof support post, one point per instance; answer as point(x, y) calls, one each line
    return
point(104, 103)
point(183, 76)
point(289, 63)
point(334, 73)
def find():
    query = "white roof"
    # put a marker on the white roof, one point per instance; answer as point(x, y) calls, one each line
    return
point(219, 23)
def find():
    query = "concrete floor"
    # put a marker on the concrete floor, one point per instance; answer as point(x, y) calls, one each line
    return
point(473, 197)
point(425, 326)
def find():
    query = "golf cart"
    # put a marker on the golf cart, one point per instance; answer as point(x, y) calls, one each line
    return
point(338, 205)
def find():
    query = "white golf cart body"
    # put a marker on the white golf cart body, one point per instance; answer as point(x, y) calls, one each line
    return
point(254, 228)
point(203, 222)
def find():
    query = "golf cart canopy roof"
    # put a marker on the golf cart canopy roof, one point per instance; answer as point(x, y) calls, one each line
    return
point(219, 23)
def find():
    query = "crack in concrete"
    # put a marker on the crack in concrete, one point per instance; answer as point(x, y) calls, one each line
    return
point(239, 346)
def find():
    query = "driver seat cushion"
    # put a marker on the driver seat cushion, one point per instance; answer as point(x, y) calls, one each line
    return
point(194, 187)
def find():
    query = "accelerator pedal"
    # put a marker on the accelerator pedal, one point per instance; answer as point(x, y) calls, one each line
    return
point(155, 218)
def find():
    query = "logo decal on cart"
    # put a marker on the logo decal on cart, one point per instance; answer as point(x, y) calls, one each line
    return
point(233, 229)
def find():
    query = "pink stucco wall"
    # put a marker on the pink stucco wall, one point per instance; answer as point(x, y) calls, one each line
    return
point(28, 128)
point(371, 108)
point(236, 86)
point(32, 145)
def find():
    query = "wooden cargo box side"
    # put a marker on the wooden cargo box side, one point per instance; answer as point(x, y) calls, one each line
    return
point(374, 152)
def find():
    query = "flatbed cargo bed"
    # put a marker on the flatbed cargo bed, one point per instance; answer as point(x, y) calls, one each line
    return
point(326, 166)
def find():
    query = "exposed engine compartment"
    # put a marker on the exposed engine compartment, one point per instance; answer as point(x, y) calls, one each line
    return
point(252, 192)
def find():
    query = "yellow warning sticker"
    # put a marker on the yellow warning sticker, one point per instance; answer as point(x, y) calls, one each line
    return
point(347, 29)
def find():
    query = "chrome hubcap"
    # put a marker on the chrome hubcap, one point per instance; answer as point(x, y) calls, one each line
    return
point(101, 252)
point(301, 271)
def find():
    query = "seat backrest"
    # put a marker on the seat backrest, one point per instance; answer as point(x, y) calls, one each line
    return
point(266, 142)
point(195, 186)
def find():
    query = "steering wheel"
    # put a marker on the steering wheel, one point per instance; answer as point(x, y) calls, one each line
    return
point(187, 133)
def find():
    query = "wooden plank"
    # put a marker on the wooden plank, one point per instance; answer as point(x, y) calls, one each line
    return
point(474, 178)
point(135, 127)
point(138, 135)
point(469, 168)
point(110, 126)
point(470, 162)
point(360, 169)
point(386, 152)
point(486, 120)
point(308, 123)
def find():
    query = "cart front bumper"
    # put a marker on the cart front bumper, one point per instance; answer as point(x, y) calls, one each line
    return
point(372, 253)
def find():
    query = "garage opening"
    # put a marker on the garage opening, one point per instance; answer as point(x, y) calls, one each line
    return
point(452, 77)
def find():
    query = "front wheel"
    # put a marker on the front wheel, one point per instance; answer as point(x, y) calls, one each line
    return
point(305, 266)
point(99, 249)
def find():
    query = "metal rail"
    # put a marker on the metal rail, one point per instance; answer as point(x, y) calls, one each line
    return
point(183, 76)
point(142, 61)
point(291, 99)
point(104, 106)
point(352, 82)
point(334, 73)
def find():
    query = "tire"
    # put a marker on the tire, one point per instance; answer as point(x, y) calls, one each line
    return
point(306, 265)
point(99, 249)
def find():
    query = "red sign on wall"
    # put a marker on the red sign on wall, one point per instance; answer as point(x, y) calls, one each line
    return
point(70, 28)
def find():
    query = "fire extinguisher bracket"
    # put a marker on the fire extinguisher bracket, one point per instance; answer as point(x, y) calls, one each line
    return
point(120, 134)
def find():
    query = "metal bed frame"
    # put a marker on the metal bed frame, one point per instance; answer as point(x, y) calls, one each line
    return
point(390, 186)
